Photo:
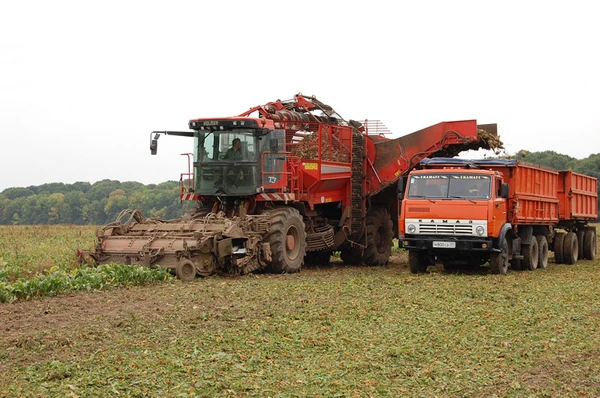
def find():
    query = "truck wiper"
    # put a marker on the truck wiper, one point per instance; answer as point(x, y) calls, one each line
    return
point(462, 197)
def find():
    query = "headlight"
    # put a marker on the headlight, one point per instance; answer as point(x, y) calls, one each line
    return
point(479, 230)
point(411, 228)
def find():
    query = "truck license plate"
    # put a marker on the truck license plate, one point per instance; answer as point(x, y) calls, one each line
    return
point(445, 245)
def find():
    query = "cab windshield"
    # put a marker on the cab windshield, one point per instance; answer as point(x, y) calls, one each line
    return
point(226, 162)
point(450, 186)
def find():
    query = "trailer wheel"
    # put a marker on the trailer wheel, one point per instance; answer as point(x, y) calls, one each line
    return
point(543, 254)
point(379, 237)
point(499, 260)
point(531, 254)
point(287, 239)
point(589, 244)
point(559, 256)
point(580, 236)
point(186, 270)
point(571, 248)
point(416, 262)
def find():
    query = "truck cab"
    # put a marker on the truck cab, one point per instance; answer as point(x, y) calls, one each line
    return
point(452, 213)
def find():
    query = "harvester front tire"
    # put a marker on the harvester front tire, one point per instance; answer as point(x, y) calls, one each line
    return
point(499, 260)
point(571, 248)
point(589, 244)
point(287, 239)
point(531, 253)
point(559, 251)
point(543, 251)
point(417, 262)
point(186, 270)
point(379, 237)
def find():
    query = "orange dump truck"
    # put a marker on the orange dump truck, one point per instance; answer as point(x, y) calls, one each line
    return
point(465, 213)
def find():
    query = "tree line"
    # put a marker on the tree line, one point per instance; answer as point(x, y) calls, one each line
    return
point(85, 203)
point(101, 202)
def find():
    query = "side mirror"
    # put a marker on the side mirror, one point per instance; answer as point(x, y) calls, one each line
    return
point(401, 184)
point(153, 147)
point(504, 190)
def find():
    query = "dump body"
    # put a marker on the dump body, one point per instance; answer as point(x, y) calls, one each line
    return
point(469, 212)
point(578, 197)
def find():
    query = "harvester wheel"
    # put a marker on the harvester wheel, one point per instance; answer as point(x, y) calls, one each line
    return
point(287, 239)
point(543, 251)
point(499, 260)
point(571, 248)
point(416, 262)
point(589, 244)
point(379, 237)
point(186, 270)
point(531, 254)
point(559, 244)
point(351, 255)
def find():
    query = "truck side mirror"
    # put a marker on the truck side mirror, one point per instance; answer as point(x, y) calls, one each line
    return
point(153, 147)
point(401, 183)
point(504, 190)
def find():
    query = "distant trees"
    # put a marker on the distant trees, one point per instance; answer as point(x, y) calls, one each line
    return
point(85, 203)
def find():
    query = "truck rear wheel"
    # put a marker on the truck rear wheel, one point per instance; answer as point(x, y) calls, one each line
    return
point(543, 251)
point(416, 262)
point(379, 237)
point(287, 239)
point(559, 256)
point(571, 248)
point(531, 253)
point(499, 260)
point(589, 244)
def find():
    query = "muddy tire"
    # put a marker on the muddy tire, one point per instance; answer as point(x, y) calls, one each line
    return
point(287, 239)
point(499, 260)
point(571, 248)
point(531, 253)
point(186, 270)
point(351, 255)
point(589, 244)
point(417, 262)
point(559, 256)
point(379, 237)
point(580, 236)
point(543, 252)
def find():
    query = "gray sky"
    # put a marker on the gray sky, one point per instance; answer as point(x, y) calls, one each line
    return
point(82, 84)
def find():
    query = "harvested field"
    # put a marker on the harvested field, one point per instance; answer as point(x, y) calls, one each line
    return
point(327, 331)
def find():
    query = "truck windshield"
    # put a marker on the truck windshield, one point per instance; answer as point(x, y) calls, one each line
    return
point(226, 162)
point(447, 185)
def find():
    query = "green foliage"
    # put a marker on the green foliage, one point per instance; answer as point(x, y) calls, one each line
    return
point(550, 159)
point(41, 261)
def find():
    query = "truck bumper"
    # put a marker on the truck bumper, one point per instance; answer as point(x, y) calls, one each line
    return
point(448, 243)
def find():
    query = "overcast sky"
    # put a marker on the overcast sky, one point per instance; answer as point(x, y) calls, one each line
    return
point(82, 84)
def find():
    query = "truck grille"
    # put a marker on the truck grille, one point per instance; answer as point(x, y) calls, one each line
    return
point(446, 229)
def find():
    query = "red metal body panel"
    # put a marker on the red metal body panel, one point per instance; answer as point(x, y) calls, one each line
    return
point(533, 198)
point(578, 195)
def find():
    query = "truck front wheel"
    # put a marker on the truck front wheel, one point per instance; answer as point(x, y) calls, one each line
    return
point(499, 260)
point(417, 262)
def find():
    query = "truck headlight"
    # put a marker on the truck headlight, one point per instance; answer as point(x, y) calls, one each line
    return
point(479, 230)
point(411, 228)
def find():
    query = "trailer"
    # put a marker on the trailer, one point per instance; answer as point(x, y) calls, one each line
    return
point(465, 213)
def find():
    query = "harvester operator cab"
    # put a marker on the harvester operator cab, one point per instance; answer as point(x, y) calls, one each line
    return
point(229, 161)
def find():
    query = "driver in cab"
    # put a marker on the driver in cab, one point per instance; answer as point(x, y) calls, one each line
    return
point(234, 154)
